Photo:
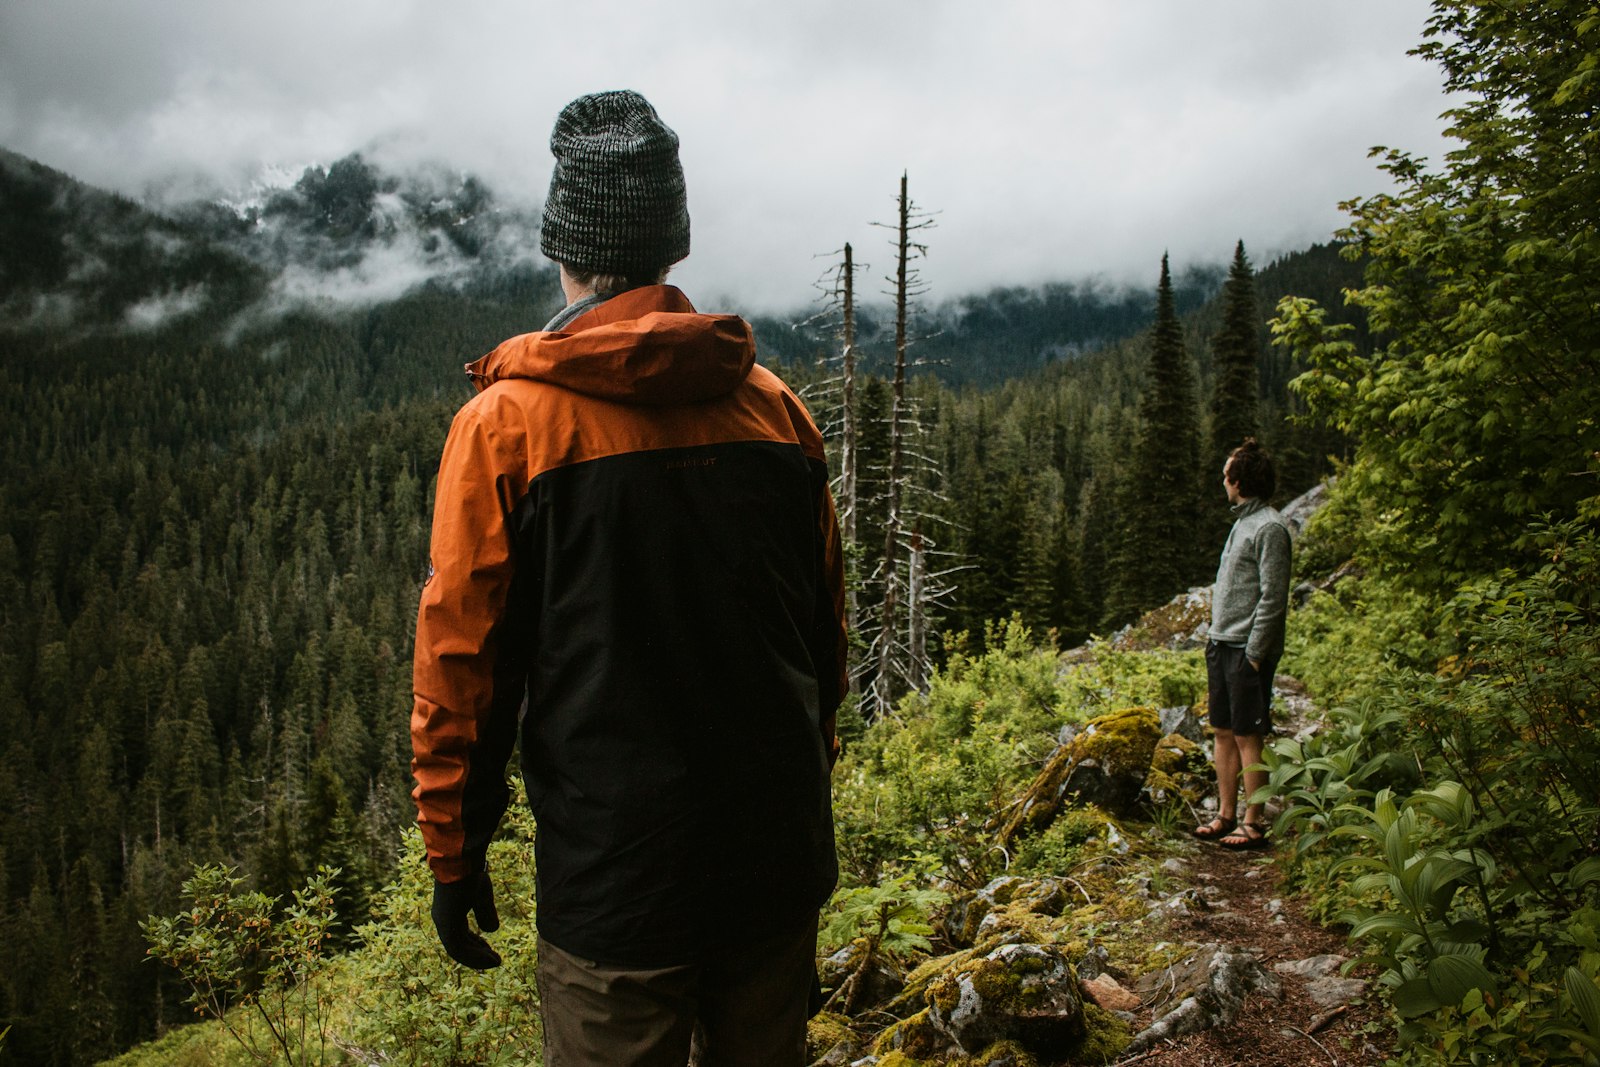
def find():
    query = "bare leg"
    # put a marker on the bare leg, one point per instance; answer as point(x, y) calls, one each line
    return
point(1227, 760)
point(1248, 751)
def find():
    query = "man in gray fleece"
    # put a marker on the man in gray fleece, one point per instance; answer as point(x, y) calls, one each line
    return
point(1248, 606)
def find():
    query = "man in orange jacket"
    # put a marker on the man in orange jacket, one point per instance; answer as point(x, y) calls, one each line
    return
point(635, 571)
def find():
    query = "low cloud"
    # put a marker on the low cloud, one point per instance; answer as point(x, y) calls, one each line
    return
point(1061, 138)
point(384, 272)
point(156, 311)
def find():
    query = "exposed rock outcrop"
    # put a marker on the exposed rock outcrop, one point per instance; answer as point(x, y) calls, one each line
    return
point(1023, 993)
point(1209, 989)
point(1105, 765)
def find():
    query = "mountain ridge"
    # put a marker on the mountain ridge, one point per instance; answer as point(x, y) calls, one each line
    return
point(353, 237)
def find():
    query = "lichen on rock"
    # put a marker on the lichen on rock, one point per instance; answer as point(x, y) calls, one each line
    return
point(827, 1031)
point(1105, 764)
point(916, 1036)
point(1022, 993)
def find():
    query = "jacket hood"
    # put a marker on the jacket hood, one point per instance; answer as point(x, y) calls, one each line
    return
point(646, 346)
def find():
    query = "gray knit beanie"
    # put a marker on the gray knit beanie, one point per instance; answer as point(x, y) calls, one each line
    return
point(617, 203)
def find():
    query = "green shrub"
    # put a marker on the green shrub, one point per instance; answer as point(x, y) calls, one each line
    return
point(1061, 846)
point(933, 777)
point(1344, 642)
point(248, 959)
point(895, 918)
point(259, 970)
point(413, 1005)
point(1475, 895)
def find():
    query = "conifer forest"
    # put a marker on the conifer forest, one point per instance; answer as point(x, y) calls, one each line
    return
point(216, 489)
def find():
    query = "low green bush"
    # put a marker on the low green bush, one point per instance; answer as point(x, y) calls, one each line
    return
point(258, 970)
point(932, 777)
point(1449, 814)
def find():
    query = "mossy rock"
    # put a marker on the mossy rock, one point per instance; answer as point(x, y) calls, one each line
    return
point(1178, 624)
point(930, 969)
point(900, 1059)
point(1014, 924)
point(1111, 758)
point(1104, 764)
point(827, 1031)
point(1104, 1036)
point(1176, 754)
point(999, 1054)
point(1122, 742)
point(1006, 903)
point(912, 1037)
point(913, 997)
point(1174, 974)
point(1022, 993)
point(1179, 770)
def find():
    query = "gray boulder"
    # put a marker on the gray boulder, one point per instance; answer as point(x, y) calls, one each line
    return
point(980, 915)
point(1182, 721)
point(1217, 982)
point(1023, 993)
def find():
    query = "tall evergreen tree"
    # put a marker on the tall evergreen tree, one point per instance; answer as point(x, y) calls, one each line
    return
point(1160, 514)
point(1236, 360)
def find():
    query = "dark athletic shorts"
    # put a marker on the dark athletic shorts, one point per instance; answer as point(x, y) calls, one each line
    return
point(1239, 696)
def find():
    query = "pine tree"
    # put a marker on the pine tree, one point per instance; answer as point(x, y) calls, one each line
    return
point(1236, 359)
point(1160, 494)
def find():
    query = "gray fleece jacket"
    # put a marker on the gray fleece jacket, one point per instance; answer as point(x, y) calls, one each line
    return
point(1250, 601)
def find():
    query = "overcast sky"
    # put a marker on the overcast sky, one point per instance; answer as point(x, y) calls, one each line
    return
point(1057, 139)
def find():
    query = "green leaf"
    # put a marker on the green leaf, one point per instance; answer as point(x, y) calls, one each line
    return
point(1386, 922)
point(1442, 876)
point(1447, 802)
point(1451, 977)
point(1577, 1037)
point(1414, 997)
point(1585, 872)
point(1397, 847)
point(1585, 999)
point(1369, 768)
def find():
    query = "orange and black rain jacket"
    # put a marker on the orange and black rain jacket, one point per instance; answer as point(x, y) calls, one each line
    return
point(635, 571)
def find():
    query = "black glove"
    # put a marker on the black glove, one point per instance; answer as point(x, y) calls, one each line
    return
point(451, 903)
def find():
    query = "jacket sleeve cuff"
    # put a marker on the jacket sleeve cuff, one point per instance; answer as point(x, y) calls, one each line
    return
point(449, 868)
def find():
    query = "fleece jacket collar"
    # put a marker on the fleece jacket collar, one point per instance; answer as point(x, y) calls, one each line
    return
point(647, 346)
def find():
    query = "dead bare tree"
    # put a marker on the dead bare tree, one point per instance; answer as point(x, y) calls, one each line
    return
point(898, 654)
point(833, 398)
point(847, 447)
point(888, 488)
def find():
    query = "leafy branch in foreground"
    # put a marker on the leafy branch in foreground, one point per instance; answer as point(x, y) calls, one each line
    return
point(892, 919)
point(1476, 413)
point(239, 950)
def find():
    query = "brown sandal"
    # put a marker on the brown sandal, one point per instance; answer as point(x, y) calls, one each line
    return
point(1211, 831)
point(1249, 835)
